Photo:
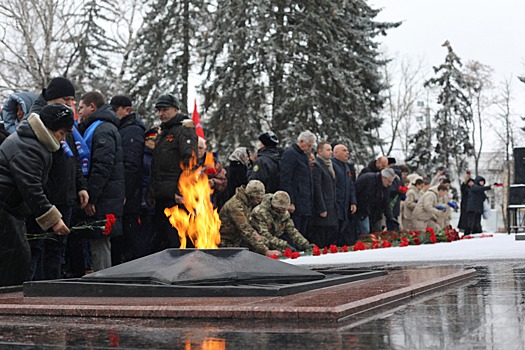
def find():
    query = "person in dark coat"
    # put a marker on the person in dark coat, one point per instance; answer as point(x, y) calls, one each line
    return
point(147, 210)
point(296, 180)
point(16, 106)
point(476, 197)
point(131, 129)
point(66, 186)
point(397, 191)
point(266, 168)
point(325, 219)
point(375, 166)
point(465, 189)
point(176, 144)
point(106, 185)
point(25, 160)
point(372, 200)
point(346, 201)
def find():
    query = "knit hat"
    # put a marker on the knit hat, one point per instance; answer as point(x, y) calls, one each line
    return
point(255, 188)
point(281, 200)
point(57, 88)
point(269, 139)
point(167, 100)
point(57, 116)
point(120, 101)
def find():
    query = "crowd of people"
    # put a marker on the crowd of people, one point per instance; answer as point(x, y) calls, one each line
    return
point(65, 172)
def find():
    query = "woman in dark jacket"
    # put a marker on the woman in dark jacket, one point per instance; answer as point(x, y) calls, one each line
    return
point(25, 160)
point(465, 189)
point(476, 198)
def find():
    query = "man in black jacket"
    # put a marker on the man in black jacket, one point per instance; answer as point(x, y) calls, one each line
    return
point(176, 144)
point(266, 167)
point(99, 127)
point(131, 129)
point(373, 199)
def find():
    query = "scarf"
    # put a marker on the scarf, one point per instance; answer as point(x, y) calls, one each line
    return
point(328, 163)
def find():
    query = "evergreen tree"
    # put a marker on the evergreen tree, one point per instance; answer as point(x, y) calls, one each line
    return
point(164, 56)
point(94, 70)
point(291, 67)
point(453, 118)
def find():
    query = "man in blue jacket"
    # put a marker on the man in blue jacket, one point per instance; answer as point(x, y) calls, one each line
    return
point(345, 195)
point(296, 180)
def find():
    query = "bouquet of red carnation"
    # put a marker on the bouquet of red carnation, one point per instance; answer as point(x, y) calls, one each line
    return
point(106, 227)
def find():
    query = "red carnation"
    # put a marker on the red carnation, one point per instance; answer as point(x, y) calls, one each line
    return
point(344, 249)
point(325, 250)
point(316, 251)
point(210, 171)
point(359, 246)
point(287, 253)
point(110, 221)
point(273, 257)
point(402, 189)
point(333, 249)
point(295, 255)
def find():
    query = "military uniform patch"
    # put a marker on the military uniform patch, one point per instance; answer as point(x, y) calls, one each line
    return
point(256, 168)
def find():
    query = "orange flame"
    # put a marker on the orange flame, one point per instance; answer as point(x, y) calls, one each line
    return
point(197, 219)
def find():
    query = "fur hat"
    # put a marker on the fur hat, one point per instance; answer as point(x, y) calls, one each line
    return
point(57, 88)
point(57, 116)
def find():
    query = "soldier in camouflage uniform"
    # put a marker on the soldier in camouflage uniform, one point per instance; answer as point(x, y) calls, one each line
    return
point(272, 220)
point(236, 230)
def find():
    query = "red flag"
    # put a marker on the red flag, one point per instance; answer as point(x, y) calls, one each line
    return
point(196, 117)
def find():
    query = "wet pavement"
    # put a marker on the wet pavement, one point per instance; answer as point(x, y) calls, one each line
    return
point(483, 313)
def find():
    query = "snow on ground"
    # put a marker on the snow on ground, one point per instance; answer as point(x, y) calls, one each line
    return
point(499, 247)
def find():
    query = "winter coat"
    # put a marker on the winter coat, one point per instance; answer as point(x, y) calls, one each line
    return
point(146, 176)
point(413, 196)
point(426, 206)
point(10, 108)
point(236, 230)
point(276, 228)
point(266, 168)
point(465, 189)
point(65, 175)
point(372, 197)
point(477, 196)
point(106, 172)
point(345, 188)
point(296, 179)
point(25, 160)
point(131, 131)
point(176, 143)
point(324, 195)
point(370, 168)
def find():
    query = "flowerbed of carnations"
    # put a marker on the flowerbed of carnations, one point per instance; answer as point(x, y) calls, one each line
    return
point(386, 239)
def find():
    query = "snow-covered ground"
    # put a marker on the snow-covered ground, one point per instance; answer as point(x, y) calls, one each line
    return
point(499, 247)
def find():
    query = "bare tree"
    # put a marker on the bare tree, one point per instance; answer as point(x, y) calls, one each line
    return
point(480, 84)
point(37, 39)
point(404, 79)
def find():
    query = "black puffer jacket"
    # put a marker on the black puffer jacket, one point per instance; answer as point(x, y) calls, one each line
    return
point(266, 168)
point(106, 173)
point(176, 143)
point(477, 196)
point(131, 130)
point(25, 160)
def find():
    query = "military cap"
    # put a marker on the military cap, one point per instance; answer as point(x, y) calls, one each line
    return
point(281, 200)
point(255, 188)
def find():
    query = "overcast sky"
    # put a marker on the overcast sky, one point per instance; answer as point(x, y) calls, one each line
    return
point(491, 32)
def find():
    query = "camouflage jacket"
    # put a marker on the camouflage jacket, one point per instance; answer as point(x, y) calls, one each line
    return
point(236, 230)
point(274, 227)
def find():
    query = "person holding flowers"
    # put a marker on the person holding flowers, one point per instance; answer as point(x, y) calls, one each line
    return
point(25, 160)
